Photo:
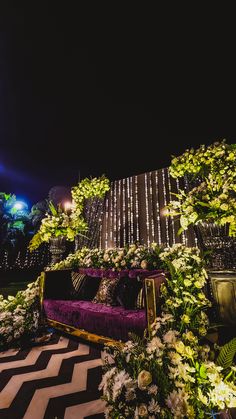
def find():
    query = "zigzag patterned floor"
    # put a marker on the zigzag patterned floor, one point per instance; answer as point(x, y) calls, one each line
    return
point(54, 381)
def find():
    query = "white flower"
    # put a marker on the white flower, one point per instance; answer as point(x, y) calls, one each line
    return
point(183, 370)
point(202, 398)
point(130, 394)
point(152, 389)
point(222, 395)
point(166, 317)
point(154, 407)
point(144, 379)
point(129, 345)
point(144, 264)
point(121, 379)
point(170, 336)
point(106, 380)
point(177, 403)
point(175, 357)
point(128, 357)
point(155, 345)
point(142, 410)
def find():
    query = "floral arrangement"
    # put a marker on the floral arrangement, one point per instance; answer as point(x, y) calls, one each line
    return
point(173, 372)
point(214, 197)
point(19, 315)
point(183, 293)
point(60, 223)
point(134, 256)
point(89, 188)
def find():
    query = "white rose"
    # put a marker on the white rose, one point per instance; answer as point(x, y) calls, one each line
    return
point(144, 379)
point(142, 410)
point(143, 264)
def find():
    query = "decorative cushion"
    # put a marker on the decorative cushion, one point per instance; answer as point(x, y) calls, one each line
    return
point(106, 291)
point(77, 281)
point(127, 292)
point(84, 287)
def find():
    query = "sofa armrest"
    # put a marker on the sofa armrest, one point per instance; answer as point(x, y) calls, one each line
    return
point(152, 288)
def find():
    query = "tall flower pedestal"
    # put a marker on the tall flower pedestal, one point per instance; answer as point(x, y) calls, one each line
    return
point(57, 248)
point(221, 247)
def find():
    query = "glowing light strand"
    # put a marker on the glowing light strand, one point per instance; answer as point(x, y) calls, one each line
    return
point(172, 218)
point(119, 212)
point(151, 203)
point(106, 223)
point(165, 203)
point(115, 214)
point(159, 241)
point(131, 211)
point(123, 214)
point(111, 218)
point(147, 209)
point(136, 208)
point(183, 238)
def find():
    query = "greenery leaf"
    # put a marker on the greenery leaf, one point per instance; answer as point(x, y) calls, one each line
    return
point(53, 209)
point(202, 372)
point(180, 231)
point(203, 204)
point(227, 353)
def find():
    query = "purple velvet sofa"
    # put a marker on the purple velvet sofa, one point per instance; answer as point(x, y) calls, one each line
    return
point(112, 322)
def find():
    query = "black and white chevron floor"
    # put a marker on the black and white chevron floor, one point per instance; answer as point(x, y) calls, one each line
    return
point(54, 381)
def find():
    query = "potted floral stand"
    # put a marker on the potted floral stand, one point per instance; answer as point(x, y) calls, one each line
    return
point(208, 200)
point(61, 225)
point(57, 248)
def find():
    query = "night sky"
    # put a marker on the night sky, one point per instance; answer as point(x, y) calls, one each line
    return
point(79, 99)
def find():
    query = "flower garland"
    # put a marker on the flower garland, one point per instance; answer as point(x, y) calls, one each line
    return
point(171, 374)
point(19, 315)
point(132, 256)
point(59, 223)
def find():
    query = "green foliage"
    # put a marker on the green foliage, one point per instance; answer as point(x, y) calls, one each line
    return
point(53, 209)
point(18, 224)
point(13, 223)
point(35, 242)
point(227, 354)
point(137, 340)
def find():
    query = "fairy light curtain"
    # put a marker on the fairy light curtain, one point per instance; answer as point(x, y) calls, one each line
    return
point(133, 211)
